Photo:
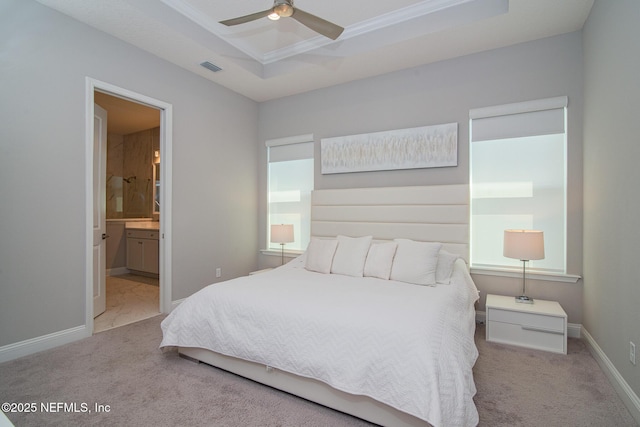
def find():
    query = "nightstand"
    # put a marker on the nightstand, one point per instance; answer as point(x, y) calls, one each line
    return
point(541, 325)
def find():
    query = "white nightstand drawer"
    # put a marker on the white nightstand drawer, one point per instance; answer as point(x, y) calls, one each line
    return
point(541, 325)
point(529, 320)
point(509, 333)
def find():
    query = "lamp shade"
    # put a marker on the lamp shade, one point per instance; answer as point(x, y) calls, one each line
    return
point(282, 233)
point(524, 245)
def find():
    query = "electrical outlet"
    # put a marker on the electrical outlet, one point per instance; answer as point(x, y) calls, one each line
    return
point(218, 272)
point(632, 352)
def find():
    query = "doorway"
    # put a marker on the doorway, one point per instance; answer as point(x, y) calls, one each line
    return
point(134, 200)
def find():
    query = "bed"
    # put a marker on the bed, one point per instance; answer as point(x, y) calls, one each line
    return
point(355, 323)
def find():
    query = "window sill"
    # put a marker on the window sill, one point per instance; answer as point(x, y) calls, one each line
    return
point(535, 275)
point(276, 252)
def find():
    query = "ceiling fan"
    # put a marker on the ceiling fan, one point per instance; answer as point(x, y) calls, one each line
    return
point(285, 8)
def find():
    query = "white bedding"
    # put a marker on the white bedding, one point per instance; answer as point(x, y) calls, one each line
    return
point(408, 346)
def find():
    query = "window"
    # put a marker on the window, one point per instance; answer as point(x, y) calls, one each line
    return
point(518, 158)
point(290, 182)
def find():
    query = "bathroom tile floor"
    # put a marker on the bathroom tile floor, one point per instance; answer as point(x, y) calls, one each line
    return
point(130, 298)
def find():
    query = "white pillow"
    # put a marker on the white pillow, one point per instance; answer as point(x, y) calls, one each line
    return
point(320, 255)
point(351, 255)
point(380, 260)
point(444, 268)
point(415, 262)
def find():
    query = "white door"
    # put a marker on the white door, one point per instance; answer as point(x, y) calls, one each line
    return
point(99, 209)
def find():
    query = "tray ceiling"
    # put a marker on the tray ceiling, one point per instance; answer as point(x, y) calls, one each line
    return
point(267, 59)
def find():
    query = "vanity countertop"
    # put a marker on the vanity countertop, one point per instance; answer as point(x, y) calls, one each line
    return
point(142, 225)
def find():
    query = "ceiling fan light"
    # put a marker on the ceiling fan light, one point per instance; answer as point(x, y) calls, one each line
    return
point(283, 10)
point(273, 16)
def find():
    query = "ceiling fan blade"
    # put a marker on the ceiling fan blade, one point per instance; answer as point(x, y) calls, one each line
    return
point(246, 18)
point(319, 25)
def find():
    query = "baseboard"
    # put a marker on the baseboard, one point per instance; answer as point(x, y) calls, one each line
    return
point(45, 342)
point(118, 271)
point(574, 330)
point(628, 396)
point(176, 303)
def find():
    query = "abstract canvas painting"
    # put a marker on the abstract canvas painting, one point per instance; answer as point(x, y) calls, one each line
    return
point(420, 147)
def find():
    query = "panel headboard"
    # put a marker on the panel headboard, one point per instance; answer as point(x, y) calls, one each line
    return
point(434, 213)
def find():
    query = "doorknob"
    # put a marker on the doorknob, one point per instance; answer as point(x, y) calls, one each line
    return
point(104, 236)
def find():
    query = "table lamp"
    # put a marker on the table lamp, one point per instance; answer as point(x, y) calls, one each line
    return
point(282, 234)
point(524, 245)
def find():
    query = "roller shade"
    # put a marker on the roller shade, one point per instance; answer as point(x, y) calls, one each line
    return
point(291, 148)
point(283, 153)
point(523, 119)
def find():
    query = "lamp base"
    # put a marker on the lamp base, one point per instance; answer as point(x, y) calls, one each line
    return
point(523, 299)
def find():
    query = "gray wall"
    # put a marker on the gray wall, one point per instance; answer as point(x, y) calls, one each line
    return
point(44, 59)
point(611, 177)
point(442, 93)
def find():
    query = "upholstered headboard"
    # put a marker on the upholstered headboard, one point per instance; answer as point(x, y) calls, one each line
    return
point(435, 213)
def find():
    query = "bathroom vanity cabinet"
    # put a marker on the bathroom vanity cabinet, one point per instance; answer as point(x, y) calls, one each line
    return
point(143, 250)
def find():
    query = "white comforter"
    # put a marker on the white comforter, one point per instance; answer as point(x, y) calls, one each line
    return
point(408, 346)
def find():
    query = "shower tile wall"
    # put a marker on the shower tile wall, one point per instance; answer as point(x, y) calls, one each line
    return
point(130, 174)
point(137, 171)
point(115, 154)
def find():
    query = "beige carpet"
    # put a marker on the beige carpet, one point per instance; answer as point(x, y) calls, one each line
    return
point(142, 386)
point(521, 387)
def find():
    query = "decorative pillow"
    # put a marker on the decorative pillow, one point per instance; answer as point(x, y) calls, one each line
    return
point(320, 255)
point(415, 262)
point(351, 255)
point(444, 268)
point(380, 260)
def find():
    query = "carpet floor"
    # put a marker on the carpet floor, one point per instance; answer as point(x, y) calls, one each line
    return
point(119, 377)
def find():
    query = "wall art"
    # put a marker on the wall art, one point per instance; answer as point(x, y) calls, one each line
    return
point(421, 147)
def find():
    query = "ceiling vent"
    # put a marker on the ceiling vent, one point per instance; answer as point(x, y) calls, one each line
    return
point(209, 66)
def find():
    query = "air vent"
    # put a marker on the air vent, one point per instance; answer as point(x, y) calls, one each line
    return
point(208, 65)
